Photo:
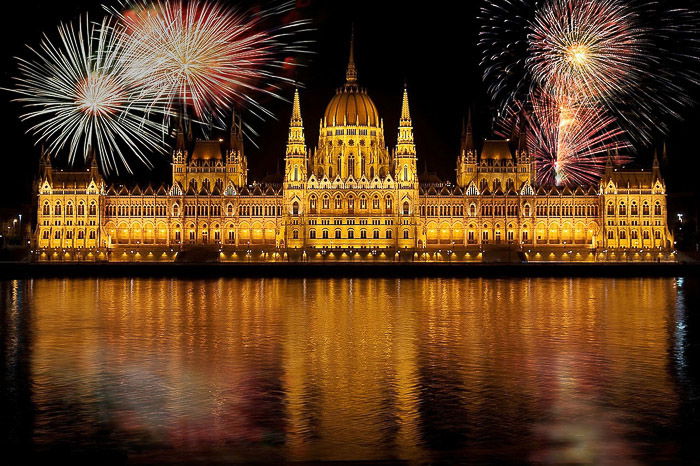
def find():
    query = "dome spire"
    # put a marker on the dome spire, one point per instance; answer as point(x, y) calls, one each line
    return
point(351, 72)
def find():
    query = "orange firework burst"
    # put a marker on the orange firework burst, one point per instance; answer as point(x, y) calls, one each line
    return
point(586, 50)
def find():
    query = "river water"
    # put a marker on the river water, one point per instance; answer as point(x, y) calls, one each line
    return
point(578, 370)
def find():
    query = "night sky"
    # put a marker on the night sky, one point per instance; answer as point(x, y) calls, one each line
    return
point(431, 46)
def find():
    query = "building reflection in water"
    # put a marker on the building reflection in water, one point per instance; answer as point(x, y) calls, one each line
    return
point(548, 370)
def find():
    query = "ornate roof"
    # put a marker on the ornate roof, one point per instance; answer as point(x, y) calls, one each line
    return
point(207, 150)
point(496, 150)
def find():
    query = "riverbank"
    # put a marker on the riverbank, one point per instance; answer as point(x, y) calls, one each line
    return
point(17, 270)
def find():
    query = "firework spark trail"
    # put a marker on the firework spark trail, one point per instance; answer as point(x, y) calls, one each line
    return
point(569, 142)
point(81, 98)
point(204, 56)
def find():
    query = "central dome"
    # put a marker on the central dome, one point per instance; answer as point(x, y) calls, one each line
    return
point(351, 106)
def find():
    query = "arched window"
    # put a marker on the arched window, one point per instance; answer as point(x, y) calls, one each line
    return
point(57, 209)
point(472, 210)
point(351, 165)
point(657, 208)
point(634, 209)
point(527, 210)
point(47, 209)
point(325, 234)
point(229, 210)
point(81, 209)
point(351, 234)
point(338, 234)
point(405, 172)
point(295, 208)
point(375, 202)
point(623, 210)
point(326, 202)
point(388, 204)
point(388, 234)
point(363, 202)
point(645, 209)
point(405, 234)
point(312, 234)
point(69, 209)
point(406, 208)
point(295, 234)
point(296, 174)
point(338, 202)
point(176, 210)
point(312, 204)
point(611, 209)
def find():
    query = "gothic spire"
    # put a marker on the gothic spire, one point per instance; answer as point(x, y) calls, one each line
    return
point(405, 110)
point(296, 143)
point(351, 73)
point(405, 142)
point(236, 135)
point(296, 110)
point(468, 134)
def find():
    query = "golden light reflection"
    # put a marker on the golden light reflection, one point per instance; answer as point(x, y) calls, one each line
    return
point(349, 369)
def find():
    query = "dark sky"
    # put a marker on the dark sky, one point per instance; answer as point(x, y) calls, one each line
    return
point(431, 46)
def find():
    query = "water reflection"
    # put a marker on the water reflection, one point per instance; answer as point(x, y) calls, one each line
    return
point(546, 370)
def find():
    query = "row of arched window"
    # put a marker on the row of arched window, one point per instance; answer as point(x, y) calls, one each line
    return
point(443, 210)
point(58, 209)
point(352, 203)
point(633, 210)
point(634, 234)
point(69, 234)
point(148, 210)
point(338, 234)
point(590, 210)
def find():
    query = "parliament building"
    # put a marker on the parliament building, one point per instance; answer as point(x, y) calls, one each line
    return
point(351, 198)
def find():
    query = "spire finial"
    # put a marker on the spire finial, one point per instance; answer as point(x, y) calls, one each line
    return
point(468, 134)
point(351, 73)
point(296, 109)
point(405, 110)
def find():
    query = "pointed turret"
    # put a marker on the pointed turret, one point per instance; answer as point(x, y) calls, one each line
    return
point(236, 133)
point(467, 135)
point(656, 167)
point(351, 72)
point(406, 148)
point(92, 161)
point(236, 161)
point(406, 145)
point(466, 160)
point(296, 143)
point(295, 160)
point(44, 164)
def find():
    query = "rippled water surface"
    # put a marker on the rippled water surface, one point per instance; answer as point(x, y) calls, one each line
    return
point(540, 370)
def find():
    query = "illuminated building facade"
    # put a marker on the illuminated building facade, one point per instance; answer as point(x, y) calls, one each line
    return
point(352, 198)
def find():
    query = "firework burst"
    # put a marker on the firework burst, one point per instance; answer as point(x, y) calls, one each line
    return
point(203, 56)
point(584, 49)
point(569, 141)
point(81, 98)
point(637, 58)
